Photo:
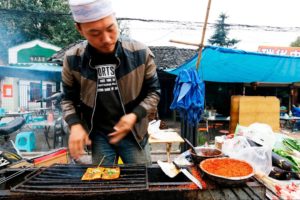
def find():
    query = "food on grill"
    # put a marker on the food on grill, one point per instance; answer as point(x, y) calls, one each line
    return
point(92, 174)
point(226, 167)
point(105, 173)
point(111, 173)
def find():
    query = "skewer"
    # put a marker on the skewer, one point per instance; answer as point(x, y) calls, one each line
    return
point(115, 160)
point(101, 161)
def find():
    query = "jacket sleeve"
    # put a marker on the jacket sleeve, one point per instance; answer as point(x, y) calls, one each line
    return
point(151, 85)
point(71, 92)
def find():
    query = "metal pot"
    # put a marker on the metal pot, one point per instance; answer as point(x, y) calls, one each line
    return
point(203, 153)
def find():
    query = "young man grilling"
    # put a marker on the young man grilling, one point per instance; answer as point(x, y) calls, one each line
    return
point(110, 86)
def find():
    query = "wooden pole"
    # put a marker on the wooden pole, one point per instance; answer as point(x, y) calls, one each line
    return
point(203, 35)
point(186, 43)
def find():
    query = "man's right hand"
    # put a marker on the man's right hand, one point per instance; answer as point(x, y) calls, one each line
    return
point(77, 140)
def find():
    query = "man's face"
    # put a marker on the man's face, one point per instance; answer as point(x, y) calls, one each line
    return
point(101, 34)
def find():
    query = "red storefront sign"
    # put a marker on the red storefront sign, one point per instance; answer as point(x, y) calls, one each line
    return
point(285, 51)
point(7, 90)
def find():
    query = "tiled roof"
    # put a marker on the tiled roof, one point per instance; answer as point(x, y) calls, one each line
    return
point(165, 56)
point(171, 57)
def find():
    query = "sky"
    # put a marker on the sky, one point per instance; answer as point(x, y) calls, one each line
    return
point(276, 13)
point(254, 12)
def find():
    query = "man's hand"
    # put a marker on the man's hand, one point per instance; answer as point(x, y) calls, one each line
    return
point(122, 128)
point(77, 140)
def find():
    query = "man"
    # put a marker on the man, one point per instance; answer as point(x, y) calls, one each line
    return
point(296, 110)
point(296, 113)
point(110, 86)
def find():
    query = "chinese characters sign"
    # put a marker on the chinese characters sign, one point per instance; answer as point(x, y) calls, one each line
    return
point(284, 51)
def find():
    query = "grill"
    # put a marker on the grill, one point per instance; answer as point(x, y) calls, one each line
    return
point(249, 190)
point(66, 179)
point(63, 182)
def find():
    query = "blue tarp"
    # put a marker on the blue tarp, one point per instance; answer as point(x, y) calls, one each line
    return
point(38, 71)
point(220, 64)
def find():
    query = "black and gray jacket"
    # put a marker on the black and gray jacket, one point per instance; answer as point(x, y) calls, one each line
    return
point(137, 82)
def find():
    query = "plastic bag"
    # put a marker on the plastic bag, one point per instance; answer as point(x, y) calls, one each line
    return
point(258, 132)
point(261, 134)
point(259, 157)
point(240, 130)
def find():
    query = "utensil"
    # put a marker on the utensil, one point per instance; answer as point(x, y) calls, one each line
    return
point(203, 153)
point(188, 175)
point(171, 169)
point(190, 144)
point(168, 168)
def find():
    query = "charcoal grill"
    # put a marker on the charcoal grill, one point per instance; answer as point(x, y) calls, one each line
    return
point(63, 182)
point(66, 179)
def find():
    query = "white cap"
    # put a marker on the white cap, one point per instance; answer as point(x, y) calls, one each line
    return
point(84, 11)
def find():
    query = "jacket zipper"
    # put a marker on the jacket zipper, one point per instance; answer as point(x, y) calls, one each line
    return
point(122, 104)
point(95, 100)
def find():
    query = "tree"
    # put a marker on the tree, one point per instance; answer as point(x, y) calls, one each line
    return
point(296, 43)
point(47, 20)
point(25, 20)
point(219, 37)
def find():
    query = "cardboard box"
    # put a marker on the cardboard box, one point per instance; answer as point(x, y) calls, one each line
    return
point(246, 110)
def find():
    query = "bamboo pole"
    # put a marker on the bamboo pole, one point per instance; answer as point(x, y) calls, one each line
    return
point(186, 43)
point(203, 34)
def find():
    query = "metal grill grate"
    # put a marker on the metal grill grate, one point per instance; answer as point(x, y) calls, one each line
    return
point(252, 189)
point(66, 179)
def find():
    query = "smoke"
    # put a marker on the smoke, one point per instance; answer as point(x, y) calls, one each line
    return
point(10, 35)
point(3, 43)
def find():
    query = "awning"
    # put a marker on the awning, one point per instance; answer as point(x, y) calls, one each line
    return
point(230, 65)
point(37, 71)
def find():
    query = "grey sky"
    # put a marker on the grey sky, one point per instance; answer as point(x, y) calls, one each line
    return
point(278, 13)
point(254, 12)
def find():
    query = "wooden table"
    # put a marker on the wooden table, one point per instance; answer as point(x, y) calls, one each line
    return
point(168, 137)
point(212, 122)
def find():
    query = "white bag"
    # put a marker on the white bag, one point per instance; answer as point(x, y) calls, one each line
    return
point(261, 134)
point(259, 157)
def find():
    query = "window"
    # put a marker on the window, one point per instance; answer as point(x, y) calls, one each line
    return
point(35, 91)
